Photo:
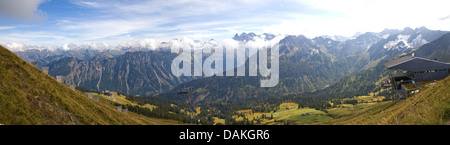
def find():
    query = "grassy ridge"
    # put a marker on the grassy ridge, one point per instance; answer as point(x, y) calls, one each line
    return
point(28, 96)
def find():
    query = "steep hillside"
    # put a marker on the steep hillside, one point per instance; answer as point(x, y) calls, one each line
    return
point(438, 49)
point(430, 106)
point(28, 96)
point(359, 83)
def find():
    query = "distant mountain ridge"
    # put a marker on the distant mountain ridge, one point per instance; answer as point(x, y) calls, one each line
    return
point(134, 73)
point(43, 57)
point(251, 36)
point(403, 42)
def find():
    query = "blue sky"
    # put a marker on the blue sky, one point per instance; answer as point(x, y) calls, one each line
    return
point(57, 22)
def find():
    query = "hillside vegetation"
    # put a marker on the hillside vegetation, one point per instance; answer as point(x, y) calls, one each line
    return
point(431, 106)
point(28, 96)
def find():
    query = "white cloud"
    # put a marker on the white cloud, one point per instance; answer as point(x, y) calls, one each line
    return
point(93, 30)
point(182, 8)
point(111, 19)
point(262, 43)
point(134, 20)
point(139, 45)
point(349, 16)
point(14, 47)
point(444, 18)
point(87, 3)
point(6, 27)
point(26, 10)
point(151, 44)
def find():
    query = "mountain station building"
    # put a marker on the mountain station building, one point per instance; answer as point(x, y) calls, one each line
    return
point(406, 72)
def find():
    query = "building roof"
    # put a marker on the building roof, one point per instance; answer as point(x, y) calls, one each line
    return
point(397, 61)
point(416, 64)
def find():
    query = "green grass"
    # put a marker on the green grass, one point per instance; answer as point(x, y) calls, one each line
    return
point(431, 106)
point(348, 109)
point(119, 99)
point(285, 115)
point(293, 116)
point(349, 112)
point(151, 107)
point(288, 106)
point(217, 120)
point(28, 96)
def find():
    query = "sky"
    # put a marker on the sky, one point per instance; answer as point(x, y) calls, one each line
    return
point(62, 22)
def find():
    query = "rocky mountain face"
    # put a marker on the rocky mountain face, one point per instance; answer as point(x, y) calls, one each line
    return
point(359, 44)
point(134, 73)
point(402, 42)
point(436, 50)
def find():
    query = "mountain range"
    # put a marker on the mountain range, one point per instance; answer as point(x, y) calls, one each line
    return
point(134, 73)
point(316, 65)
point(310, 64)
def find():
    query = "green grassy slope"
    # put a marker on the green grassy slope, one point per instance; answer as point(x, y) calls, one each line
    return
point(428, 107)
point(28, 96)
